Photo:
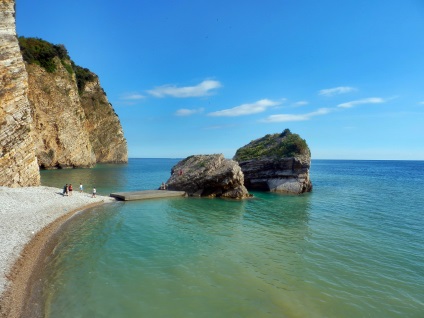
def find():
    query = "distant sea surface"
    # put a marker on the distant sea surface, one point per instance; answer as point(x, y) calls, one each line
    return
point(353, 247)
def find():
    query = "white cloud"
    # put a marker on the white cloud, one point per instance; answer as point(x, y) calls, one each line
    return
point(246, 109)
point(202, 89)
point(188, 112)
point(336, 90)
point(296, 117)
point(301, 103)
point(371, 100)
point(132, 96)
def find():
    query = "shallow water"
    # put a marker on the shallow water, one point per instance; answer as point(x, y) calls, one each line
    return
point(354, 247)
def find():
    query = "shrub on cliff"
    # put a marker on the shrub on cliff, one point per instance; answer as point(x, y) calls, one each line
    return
point(282, 145)
point(83, 76)
point(40, 52)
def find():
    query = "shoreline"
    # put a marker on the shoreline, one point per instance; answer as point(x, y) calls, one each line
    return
point(29, 220)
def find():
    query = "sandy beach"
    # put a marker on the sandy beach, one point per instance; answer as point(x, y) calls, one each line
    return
point(28, 218)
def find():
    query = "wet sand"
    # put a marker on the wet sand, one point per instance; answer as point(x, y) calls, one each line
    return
point(29, 218)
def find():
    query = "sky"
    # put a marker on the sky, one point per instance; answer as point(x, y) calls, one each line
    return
point(201, 77)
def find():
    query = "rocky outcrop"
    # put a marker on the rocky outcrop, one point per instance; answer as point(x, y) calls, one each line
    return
point(278, 163)
point(18, 163)
point(103, 125)
point(60, 125)
point(208, 176)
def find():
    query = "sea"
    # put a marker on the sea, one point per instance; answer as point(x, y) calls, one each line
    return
point(353, 247)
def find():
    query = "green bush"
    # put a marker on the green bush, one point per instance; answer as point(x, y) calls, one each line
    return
point(41, 52)
point(83, 76)
point(282, 145)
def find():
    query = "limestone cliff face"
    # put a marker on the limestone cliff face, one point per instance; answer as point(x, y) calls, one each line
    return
point(104, 128)
point(18, 163)
point(60, 126)
point(75, 125)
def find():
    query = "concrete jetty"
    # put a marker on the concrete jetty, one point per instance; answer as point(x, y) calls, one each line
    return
point(146, 194)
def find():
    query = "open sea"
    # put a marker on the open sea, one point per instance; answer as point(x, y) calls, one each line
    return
point(353, 247)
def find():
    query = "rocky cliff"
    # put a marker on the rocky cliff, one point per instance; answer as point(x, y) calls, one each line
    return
point(60, 126)
point(208, 176)
point(278, 162)
point(18, 163)
point(103, 126)
point(75, 125)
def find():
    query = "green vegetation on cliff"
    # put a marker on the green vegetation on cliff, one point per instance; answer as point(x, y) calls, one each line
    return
point(42, 53)
point(282, 145)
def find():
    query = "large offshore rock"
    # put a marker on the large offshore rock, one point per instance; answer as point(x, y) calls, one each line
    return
point(278, 163)
point(208, 176)
point(18, 163)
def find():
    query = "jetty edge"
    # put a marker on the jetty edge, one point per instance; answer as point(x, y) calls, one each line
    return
point(147, 194)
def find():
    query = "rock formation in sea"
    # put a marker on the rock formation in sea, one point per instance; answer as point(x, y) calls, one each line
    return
point(18, 163)
point(75, 125)
point(208, 176)
point(277, 163)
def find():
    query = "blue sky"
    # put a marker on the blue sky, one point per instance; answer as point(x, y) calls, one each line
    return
point(199, 77)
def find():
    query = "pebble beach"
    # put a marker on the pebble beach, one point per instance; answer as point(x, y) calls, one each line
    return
point(25, 213)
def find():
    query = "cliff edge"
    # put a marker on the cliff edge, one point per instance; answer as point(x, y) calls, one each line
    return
point(18, 163)
point(75, 125)
point(278, 163)
point(53, 113)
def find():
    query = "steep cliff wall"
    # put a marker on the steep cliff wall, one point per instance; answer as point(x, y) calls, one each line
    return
point(75, 125)
point(18, 163)
point(104, 128)
point(60, 133)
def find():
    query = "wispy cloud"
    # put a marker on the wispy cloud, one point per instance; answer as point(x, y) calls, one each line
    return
point(336, 90)
point(188, 112)
point(202, 89)
point(296, 117)
point(301, 103)
point(246, 109)
point(421, 103)
point(132, 96)
point(371, 100)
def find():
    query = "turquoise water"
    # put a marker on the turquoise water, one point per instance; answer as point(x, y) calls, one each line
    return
point(354, 247)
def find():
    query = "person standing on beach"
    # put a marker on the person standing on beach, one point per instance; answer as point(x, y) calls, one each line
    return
point(70, 189)
point(81, 188)
point(94, 193)
point(65, 189)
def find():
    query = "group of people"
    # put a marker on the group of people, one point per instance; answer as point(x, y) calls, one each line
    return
point(67, 190)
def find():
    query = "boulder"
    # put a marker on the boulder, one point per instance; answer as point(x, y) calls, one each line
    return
point(208, 176)
point(277, 163)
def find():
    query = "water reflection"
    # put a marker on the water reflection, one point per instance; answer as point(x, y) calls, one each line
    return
point(138, 174)
point(206, 213)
